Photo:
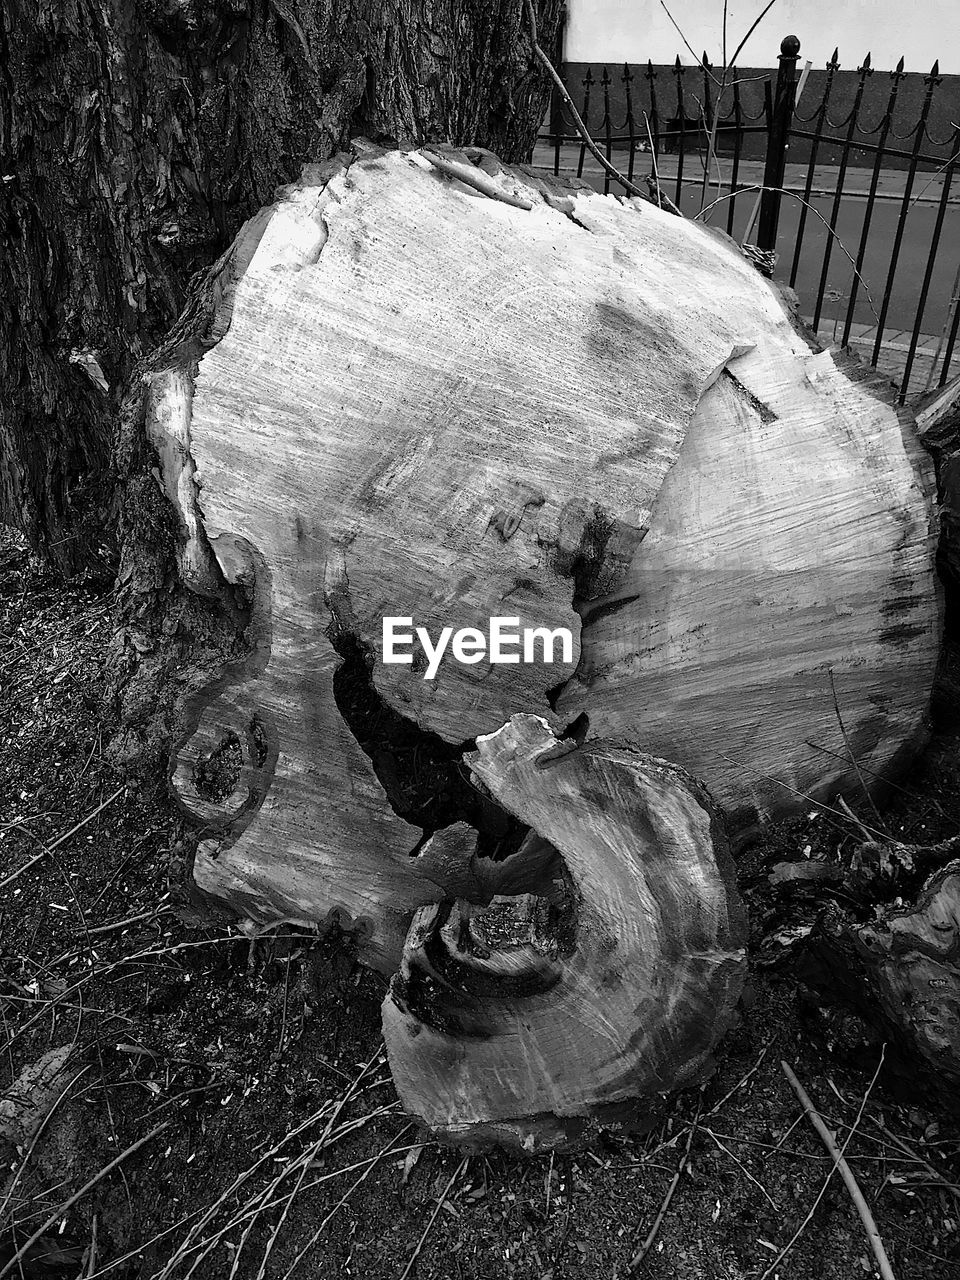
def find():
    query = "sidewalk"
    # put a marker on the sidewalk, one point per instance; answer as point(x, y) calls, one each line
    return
point(892, 359)
point(927, 187)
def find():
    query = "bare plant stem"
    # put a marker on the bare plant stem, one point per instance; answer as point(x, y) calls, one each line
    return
point(580, 126)
point(645, 1248)
point(460, 1169)
point(866, 1217)
point(60, 839)
point(853, 758)
point(838, 1153)
point(78, 1195)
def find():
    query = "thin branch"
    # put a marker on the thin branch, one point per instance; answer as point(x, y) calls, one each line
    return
point(645, 1248)
point(580, 126)
point(759, 187)
point(856, 1195)
point(839, 1153)
point(853, 758)
point(653, 158)
point(684, 39)
point(476, 178)
point(756, 23)
point(60, 839)
point(461, 1167)
point(64, 1208)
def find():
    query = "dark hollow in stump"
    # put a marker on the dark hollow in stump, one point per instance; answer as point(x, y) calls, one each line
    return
point(609, 983)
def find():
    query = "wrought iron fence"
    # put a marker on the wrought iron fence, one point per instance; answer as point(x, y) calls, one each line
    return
point(865, 213)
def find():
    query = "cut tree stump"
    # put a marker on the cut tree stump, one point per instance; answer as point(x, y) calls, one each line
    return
point(449, 391)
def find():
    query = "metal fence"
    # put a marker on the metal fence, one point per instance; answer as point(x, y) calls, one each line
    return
point(846, 175)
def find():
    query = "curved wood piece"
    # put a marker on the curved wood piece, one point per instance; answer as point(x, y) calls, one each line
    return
point(605, 983)
point(783, 611)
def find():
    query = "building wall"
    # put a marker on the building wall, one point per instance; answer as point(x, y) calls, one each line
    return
point(634, 30)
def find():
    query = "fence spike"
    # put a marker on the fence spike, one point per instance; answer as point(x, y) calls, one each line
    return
point(899, 68)
point(935, 69)
point(834, 60)
point(677, 68)
point(866, 63)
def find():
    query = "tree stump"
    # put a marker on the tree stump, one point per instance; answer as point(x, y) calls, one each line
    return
point(432, 388)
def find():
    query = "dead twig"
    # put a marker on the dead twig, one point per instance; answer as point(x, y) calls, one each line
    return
point(853, 758)
point(92, 1257)
point(371, 1165)
point(908, 1150)
point(741, 1082)
point(476, 178)
point(47, 848)
point(460, 1169)
point(743, 1169)
point(644, 1249)
point(68, 1204)
point(581, 128)
point(873, 1235)
point(121, 924)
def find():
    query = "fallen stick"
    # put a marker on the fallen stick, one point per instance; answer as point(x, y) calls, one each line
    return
point(64, 1208)
point(581, 128)
point(475, 178)
point(866, 1217)
point(644, 1249)
point(48, 848)
point(461, 1167)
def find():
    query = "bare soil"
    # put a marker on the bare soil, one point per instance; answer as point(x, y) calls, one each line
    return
point(262, 1059)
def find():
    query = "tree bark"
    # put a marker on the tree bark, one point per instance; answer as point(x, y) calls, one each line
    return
point(135, 139)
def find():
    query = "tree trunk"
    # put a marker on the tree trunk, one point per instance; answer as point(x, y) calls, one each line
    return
point(135, 139)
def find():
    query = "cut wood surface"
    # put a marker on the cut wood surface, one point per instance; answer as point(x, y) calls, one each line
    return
point(604, 986)
point(791, 557)
point(421, 401)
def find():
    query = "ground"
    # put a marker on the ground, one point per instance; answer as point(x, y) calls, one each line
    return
point(251, 1072)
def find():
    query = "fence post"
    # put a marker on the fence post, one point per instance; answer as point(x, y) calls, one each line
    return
point(556, 102)
point(778, 140)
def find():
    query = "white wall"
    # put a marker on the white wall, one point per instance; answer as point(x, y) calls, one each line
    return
point(634, 30)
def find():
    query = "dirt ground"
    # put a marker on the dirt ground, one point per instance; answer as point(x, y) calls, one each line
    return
point(251, 1074)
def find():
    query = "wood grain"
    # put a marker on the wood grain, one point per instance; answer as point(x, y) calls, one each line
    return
point(421, 402)
point(578, 1003)
point(791, 552)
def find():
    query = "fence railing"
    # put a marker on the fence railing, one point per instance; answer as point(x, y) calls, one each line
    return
point(846, 173)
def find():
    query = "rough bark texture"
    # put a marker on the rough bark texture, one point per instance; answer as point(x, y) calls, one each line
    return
point(134, 141)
